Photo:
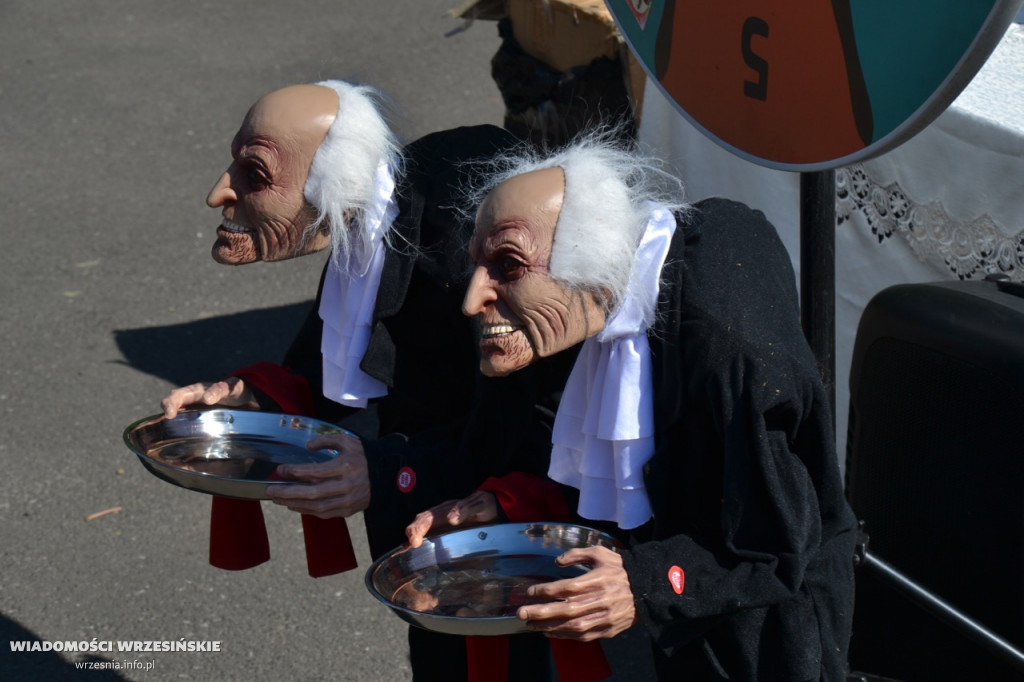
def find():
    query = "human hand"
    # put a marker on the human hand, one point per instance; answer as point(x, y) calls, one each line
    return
point(598, 604)
point(480, 507)
point(231, 392)
point(337, 487)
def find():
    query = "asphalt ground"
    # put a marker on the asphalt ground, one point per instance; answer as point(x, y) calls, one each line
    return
point(115, 120)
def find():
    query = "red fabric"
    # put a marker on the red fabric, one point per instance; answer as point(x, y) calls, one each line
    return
point(238, 539)
point(487, 658)
point(526, 497)
point(579, 661)
point(238, 533)
point(290, 391)
point(328, 546)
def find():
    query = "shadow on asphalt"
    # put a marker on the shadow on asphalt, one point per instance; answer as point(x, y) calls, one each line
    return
point(209, 349)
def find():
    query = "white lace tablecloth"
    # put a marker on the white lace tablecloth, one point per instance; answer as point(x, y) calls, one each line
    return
point(946, 204)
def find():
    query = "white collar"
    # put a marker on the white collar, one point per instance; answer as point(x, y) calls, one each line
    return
point(348, 300)
point(604, 428)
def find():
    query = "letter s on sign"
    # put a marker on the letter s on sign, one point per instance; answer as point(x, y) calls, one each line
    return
point(755, 26)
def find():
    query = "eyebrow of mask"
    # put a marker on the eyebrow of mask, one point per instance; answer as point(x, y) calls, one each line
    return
point(479, 243)
point(513, 232)
point(252, 146)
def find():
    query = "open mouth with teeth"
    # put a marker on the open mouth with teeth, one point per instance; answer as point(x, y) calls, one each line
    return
point(492, 331)
point(234, 228)
point(236, 244)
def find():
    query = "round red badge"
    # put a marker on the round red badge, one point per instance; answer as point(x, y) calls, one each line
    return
point(406, 479)
point(676, 578)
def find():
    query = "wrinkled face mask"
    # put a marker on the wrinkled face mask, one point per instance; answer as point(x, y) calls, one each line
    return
point(265, 213)
point(524, 313)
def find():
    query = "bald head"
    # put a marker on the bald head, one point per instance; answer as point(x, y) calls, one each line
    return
point(261, 195)
point(297, 117)
point(306, 159)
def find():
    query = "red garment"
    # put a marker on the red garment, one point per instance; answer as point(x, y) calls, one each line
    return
point(527, 497)
point(238, 533)
point(524, 498)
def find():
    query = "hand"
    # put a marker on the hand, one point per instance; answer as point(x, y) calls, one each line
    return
point(480, 507)
point(597, 604)
point(231, 392)
point(337, 487)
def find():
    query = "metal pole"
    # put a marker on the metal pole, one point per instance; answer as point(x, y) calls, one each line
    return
point(818, 272)
point(937, 607)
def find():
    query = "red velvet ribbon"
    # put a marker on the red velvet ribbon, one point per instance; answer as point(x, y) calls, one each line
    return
point(580, 661)
point(328, 546)
point(524, 498)
point(238, 533)
point(487, 659)
point(238, 539)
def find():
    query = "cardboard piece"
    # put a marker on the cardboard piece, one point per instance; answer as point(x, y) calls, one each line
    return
point(565, 34)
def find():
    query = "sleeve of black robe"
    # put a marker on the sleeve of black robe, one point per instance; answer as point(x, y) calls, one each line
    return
point(745, 484)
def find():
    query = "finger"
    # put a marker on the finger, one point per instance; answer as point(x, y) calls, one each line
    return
point(579, 555)
point(582, 632)
point(324, 509)
point(298, 492)
point(332, 498)
point(341, 442)
point(584, 589)
point(594, 582)
point(179, 397)
point(215, 393)
point(548, 592)
point(236, 388)
point(343, 464)
point(315, 471)
point(418, 529)
point(170, 407)
point(480, 507)
point(559, 611)
point(465, 510)
point(427, 521)
point(572, 615)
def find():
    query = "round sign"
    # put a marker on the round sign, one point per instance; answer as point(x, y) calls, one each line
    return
point(803, 86)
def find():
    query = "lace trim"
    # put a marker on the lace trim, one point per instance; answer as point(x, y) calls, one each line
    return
point(969, 250)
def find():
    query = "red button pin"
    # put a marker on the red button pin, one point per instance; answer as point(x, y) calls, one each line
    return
point(676, 578)
point(406, 479)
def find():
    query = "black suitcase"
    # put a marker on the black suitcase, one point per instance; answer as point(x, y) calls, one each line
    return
point(935, 472)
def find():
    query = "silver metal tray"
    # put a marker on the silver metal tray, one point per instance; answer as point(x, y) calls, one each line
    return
point(472, 581)
point(231, 453)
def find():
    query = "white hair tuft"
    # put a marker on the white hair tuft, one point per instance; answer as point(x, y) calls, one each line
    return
point(610, 190)
point(340, 184)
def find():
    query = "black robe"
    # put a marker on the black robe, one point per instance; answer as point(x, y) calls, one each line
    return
point(745, 571)
point(745, 485)
point(425, 349)
point(442, 424)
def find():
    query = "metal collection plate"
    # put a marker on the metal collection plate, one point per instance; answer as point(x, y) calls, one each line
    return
point(472, 581)
point(230, 453)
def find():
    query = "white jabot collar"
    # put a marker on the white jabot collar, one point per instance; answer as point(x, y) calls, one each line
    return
point(604, 428)
point(348, 300)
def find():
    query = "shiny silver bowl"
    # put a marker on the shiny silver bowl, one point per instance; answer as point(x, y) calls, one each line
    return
point(231, 453)
point(472, 581)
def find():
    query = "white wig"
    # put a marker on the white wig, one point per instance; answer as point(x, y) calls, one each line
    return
point(610, 191)
point(342, 176)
